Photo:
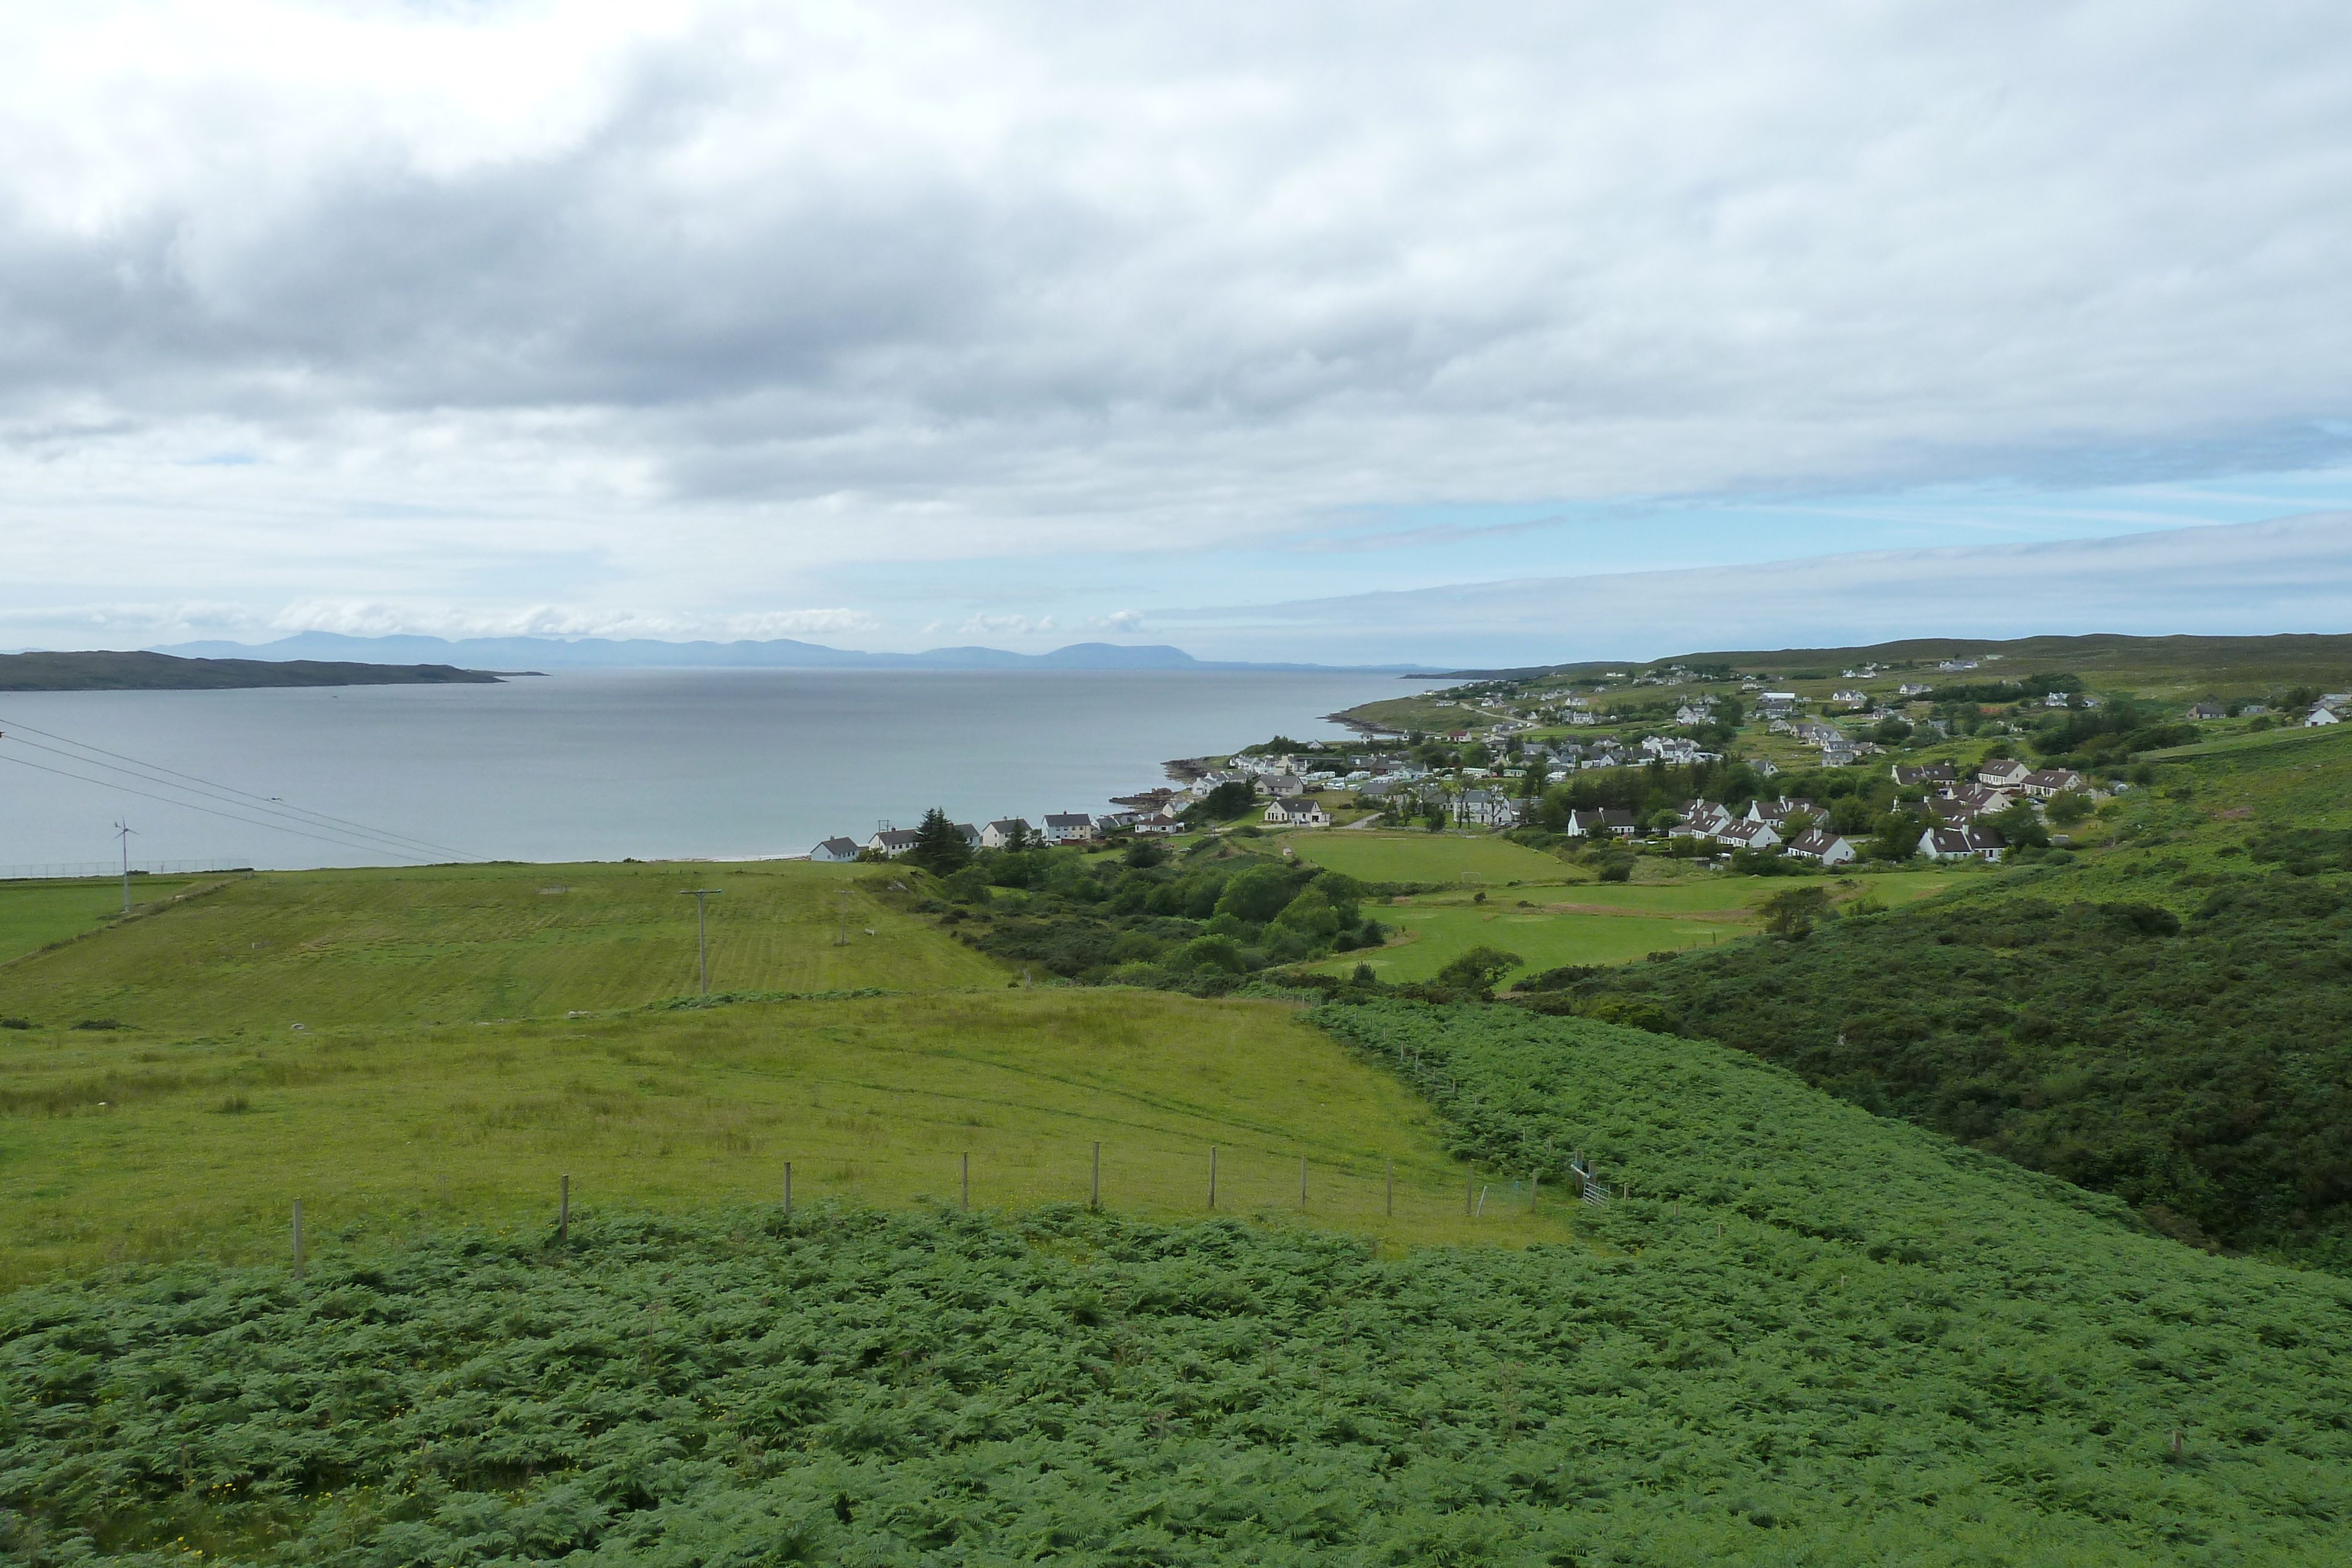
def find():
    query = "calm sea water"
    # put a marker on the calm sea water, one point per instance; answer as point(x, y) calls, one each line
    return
point(652, 763)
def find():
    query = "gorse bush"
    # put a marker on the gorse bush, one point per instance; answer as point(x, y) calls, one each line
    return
point(2201, 1070)
point(1809, 1337)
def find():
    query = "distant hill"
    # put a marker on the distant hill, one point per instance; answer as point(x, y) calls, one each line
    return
point(150, 671)
point(2287, 657)
point(782, 652)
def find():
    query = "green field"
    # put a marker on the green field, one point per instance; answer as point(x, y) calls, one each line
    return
point(35, 914)
point(130, 1146)
point(467, 944)
point(1595, 923)
point(1478, 860)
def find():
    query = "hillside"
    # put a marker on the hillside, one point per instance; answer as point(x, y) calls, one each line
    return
point(1807, 1335)
point(2168, 1018)
point(408, 946)
point(106, 672)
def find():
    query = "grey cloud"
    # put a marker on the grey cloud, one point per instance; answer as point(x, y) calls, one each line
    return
point(1233, 265)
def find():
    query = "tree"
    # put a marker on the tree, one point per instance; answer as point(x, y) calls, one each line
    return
point(1223, 803)
point(1016, 837)
point(1790, 914)
point(2020, 826)
point(1478, 969)
point(1256, 895)
point(1143, 855)
point(1433, 818)
point(2068, 807)
point(940, 846)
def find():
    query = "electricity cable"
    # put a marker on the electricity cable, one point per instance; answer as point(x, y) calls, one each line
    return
point(191, 806)
point(398, 842)
point(260, 802)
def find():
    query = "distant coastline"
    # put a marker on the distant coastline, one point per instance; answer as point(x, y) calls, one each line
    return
point(147, 671)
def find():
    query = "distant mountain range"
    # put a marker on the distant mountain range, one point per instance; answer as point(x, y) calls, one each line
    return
point(782, 654)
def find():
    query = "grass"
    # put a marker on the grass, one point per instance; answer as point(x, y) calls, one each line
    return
point(127, 1146)
point(35, 914)
point(1600, 923)
point(457, 945)
point(1430, 857)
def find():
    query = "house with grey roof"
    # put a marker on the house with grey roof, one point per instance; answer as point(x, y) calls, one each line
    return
point(833, 850)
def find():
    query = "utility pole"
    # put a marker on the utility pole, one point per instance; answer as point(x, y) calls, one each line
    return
point(701, 927)
point(122, 831)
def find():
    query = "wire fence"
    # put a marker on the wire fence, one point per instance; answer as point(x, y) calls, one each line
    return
point(75, 871)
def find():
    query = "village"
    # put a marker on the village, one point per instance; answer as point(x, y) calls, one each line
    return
point(1491, 775)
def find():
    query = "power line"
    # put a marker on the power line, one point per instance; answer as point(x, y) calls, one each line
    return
point(261, 802)
point(399, 842)
point(207, 810)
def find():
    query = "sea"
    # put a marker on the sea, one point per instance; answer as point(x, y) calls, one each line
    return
point(607, 764)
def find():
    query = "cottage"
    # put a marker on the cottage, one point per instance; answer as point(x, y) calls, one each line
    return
point(1611, 824)
point(1688, 715)
point(1851, 698)
point(1961, 843)
point(894, 841)
point(1282, 785)
point(2003, 772)
point(1820, 845)
point(2208, 710)
point(1303, 811)
point(1749, 836)
point(1925, 776)
point(2321, 714)
point(833, 850)
point(2044, 782)
point(998, 834)
point(1913, 689)
point(1068, 827)
point(1773, 813)
point(1486, 808)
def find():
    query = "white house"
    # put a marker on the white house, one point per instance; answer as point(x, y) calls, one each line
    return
point(1773, 813)
point(1305, 811)
point(2044, 782)
point(1851, 698)
point(998, 834)
point(1282, 785)
point(1601, 824)
point(1926, 775)
point(1821, 844)
point(1913, 689)
point(894, 841)
point(2003, 772)
point(1486, 808)
point(833, 850)
point(1961, 843)
point(2321, 714)
point(1068, 827)
point(1749, 836)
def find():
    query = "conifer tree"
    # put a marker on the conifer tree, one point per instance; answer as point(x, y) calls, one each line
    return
point(940, 847)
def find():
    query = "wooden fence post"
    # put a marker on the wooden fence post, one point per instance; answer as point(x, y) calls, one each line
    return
point(967, 1182)
point(298, 1237)
point(1302, 1183)
point(1213, 1178)
point(563, 1212)
point(788, 1189)
point(1094, 1196)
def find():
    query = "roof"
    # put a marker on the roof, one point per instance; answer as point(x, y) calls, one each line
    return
point(839, 846)
point(896, 838)
point(1068, 820)
point(1006, 824)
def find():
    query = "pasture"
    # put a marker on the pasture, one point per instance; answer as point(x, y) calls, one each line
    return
point(122, 1145)
point(1476, 861)
point(35, 914)
point(465, 944)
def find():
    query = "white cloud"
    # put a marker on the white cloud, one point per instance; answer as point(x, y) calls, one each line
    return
point(683, 306)
point(366, 619)
point(995, 626)
point(1118, 621)
point(2289, 574)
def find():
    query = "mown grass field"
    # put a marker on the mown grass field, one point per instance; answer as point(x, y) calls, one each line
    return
point(1479, 861)
point(120, 1145)
point(35, 914)
point(1595, 923)
point(464, 944)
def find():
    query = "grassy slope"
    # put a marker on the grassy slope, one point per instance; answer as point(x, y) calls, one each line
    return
point(1811, 1337)
point(121, 1145)
point(35, 914)
point(1597, 923)
point(469, 943)
point(1481, 861)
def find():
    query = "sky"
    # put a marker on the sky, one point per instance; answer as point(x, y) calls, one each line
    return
point(895, 325)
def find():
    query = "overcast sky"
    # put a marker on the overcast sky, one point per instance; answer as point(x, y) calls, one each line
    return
point(891, 324)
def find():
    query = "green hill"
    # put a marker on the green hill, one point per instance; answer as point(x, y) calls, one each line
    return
point(2168, 1019)
point(461, 944)
point(1805, 1335)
